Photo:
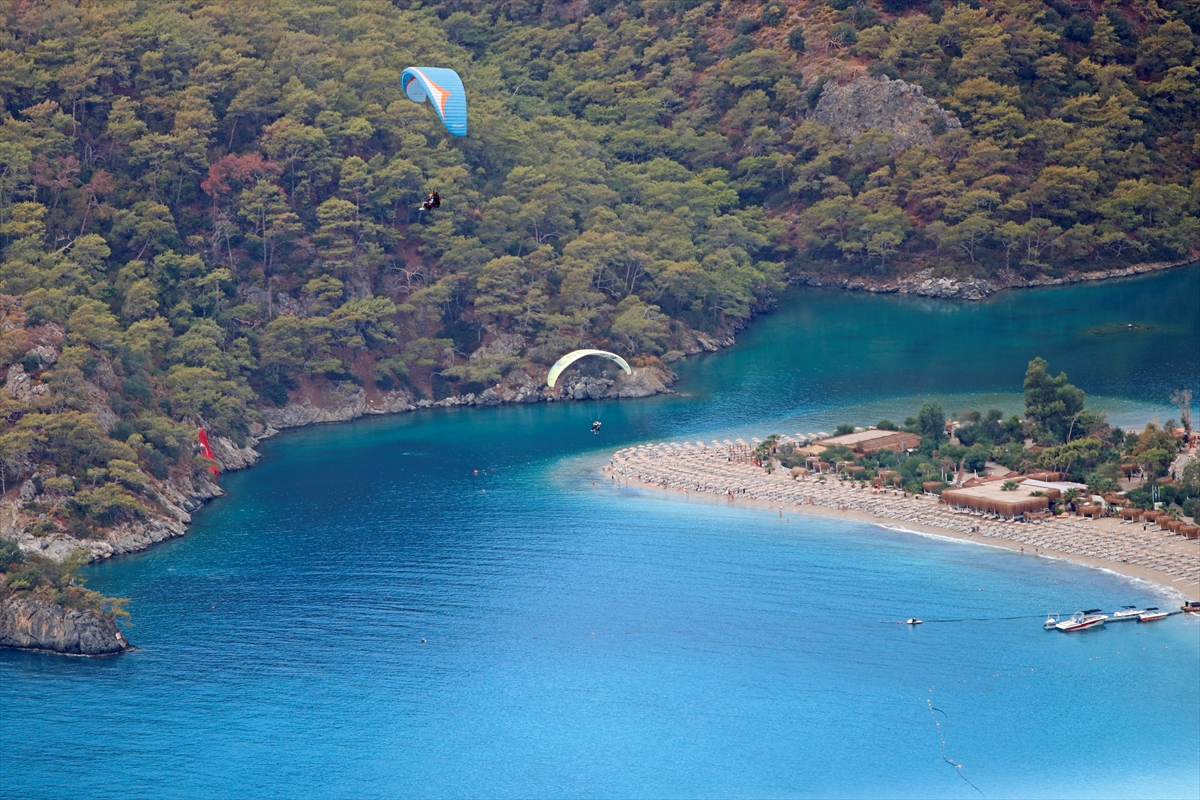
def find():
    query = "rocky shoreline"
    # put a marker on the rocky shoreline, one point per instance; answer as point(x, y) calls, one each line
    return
point(347, 401)
point(925, 284)
point(36, 623)
point(177, 499)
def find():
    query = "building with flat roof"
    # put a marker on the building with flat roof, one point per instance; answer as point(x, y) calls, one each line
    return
point(874, 440)
point(990, 497)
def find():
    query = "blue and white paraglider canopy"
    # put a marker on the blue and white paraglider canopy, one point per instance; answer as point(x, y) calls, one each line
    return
point(444, 90)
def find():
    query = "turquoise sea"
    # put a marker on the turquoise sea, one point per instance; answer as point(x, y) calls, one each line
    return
point(365, 615)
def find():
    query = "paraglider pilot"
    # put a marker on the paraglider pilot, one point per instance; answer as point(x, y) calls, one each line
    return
point(434, 200)
point(596, 426)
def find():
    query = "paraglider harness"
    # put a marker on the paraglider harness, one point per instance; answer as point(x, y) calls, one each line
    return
point(433, 201)
point(596, 426)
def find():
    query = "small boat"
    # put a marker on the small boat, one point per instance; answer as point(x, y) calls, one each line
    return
point(1128, 611)
point(1191, 606)
point(913, 621)
point(1082, 620)
point(1051, 621)
point(1151, 614)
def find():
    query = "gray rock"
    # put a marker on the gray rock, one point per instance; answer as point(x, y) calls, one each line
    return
point(346, 402)
point(230, 456)
point(256, 296)
point(392, 402)
point(644, 381)
point(502, 344)
point(19, 384)
point(31, 623)
point(869, 103)
point(46, 355)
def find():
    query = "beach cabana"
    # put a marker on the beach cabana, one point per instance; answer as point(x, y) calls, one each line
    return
point(990, 498)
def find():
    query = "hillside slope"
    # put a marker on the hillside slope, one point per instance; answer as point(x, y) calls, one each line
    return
point(209, 210)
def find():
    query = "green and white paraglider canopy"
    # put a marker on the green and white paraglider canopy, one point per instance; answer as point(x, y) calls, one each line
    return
point(570, 358)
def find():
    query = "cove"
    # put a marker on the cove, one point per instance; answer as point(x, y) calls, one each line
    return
point(734, 653)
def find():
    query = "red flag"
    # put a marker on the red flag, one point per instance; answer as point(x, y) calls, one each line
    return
point(207, 452)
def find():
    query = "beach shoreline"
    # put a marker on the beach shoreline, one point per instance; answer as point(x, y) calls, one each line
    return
point(1183, 587)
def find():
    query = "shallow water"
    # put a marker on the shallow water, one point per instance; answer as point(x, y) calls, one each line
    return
point(596, 641)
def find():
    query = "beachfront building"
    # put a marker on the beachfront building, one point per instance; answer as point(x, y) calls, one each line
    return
point(992, 498)
point(873, 440)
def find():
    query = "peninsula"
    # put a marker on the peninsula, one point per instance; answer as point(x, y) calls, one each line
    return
point(1104, 498)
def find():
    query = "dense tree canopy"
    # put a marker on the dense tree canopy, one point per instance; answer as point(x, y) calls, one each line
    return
point(206, 205)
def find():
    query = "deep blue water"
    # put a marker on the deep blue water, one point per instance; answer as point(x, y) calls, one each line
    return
point(589, 641)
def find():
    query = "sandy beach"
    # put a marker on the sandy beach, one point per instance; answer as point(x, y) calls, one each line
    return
point(722, 474)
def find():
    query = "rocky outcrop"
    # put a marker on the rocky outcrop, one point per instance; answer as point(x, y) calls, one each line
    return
point(231, 457)
point(500, 344)
point(21, 386)
point(870, 103)
point(33, 623)
point(299, 414)
point(925, 284)
point(349, 401)
point(644, 383)
point(693, 342)
point(167, 519)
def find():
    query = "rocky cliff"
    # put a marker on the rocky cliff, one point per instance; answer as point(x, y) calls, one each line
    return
point(33, 623)
point(868, 103)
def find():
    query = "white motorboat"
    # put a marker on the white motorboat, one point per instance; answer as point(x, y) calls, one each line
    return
point(1081, 620)
point(1151, 614)
point(1124, 612)
point(1051, 621)
point(913, 621)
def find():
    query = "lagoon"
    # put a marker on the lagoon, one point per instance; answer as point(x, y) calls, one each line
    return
point(594, 641)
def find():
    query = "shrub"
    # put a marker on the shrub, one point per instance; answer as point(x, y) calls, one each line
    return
point(795, 39)
point(25, 579)
point(10, 554)
point(772, 14)
point(843, 34)
point(740, 45)
point(745, 25)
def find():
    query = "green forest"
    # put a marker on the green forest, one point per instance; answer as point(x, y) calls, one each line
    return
point(207, 206)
